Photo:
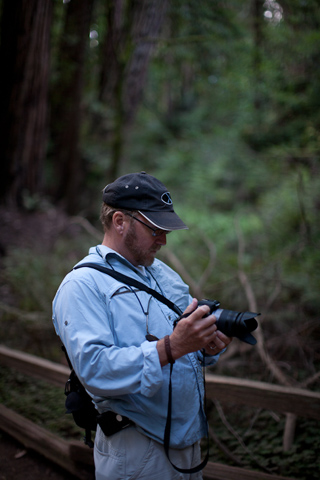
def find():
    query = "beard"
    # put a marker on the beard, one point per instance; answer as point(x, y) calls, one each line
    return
point(142, 257)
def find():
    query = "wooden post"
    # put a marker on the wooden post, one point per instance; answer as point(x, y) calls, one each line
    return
point(289, 430)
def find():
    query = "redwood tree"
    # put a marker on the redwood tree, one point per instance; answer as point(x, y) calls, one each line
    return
point(67, 103)
point(133, 30)
point(24, 59)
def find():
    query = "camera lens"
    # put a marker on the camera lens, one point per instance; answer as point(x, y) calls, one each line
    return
point(237, 324)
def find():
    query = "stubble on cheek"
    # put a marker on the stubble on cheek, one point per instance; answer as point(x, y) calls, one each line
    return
point(142, 256)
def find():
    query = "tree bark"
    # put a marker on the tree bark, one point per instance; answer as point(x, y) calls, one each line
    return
point(24, 58)
point(67, 106)
point(133, 29)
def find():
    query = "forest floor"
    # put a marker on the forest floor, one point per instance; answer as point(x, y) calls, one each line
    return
point(18, 463)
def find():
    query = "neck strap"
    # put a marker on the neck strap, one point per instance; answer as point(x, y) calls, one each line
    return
point(132, 282)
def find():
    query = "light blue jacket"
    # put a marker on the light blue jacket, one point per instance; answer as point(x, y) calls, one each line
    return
point(102, 324)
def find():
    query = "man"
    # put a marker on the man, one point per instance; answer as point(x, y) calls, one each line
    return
point(121, 339)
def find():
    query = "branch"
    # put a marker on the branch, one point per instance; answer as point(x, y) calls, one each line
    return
point(29, 316)
point(212, 260)
point(173, 259)
point(224, 449)
point(310, 380)
point(196, 288)
point(279, 375)
point(237, 436)
point(87, 226)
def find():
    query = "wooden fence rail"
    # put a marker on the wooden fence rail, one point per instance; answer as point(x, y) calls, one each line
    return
point(77, 458)
point(298, 401)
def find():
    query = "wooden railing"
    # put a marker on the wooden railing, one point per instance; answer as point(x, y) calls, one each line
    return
point(77, 458)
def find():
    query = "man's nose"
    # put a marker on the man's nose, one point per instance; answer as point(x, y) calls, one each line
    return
point(161, 239)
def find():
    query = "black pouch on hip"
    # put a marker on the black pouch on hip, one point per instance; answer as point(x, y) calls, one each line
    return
point(111, 423)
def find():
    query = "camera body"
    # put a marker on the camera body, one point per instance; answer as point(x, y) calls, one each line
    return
point(231, 323)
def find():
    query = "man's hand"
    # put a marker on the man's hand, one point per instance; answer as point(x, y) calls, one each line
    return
point(220, 342)
point(194, 333)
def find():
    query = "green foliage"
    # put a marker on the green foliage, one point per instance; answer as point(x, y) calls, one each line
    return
point(41, 402)
point(236, 181)
point(31, 277)
point(35, 276)
point(255, 437)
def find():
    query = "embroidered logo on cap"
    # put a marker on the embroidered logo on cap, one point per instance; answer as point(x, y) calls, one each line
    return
point(165, 197)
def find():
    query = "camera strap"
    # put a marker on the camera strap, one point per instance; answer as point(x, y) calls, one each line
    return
point(141, 286)
point(133, 283)
point(167, 431)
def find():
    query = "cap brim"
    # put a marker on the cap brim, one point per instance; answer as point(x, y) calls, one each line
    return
point(165, 220)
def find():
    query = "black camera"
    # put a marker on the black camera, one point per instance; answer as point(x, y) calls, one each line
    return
point(232, 324)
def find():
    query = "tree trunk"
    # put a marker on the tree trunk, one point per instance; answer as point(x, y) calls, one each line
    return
point(133, 28)
point(24, 58)
point(66, 103)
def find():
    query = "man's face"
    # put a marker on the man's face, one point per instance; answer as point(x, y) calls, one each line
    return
point(141, 245)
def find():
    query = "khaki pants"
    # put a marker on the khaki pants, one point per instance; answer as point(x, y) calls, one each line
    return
point(129, 455)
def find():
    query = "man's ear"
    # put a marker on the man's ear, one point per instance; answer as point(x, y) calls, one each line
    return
point(118, 220)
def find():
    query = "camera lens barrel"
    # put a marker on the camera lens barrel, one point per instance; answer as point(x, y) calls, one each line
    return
point(237, 324)
point(234, 324)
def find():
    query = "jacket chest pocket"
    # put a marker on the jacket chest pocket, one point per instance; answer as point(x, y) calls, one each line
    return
point(134, 314)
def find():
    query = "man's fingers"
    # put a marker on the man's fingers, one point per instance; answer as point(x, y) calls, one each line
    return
point(190, 308)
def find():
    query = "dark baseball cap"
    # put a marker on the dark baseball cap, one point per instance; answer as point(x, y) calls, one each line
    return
point(147, 195)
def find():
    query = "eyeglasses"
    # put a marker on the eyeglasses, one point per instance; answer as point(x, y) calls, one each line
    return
point(156, 232)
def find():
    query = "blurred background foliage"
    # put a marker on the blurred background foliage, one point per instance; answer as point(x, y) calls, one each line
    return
point(220, 101)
